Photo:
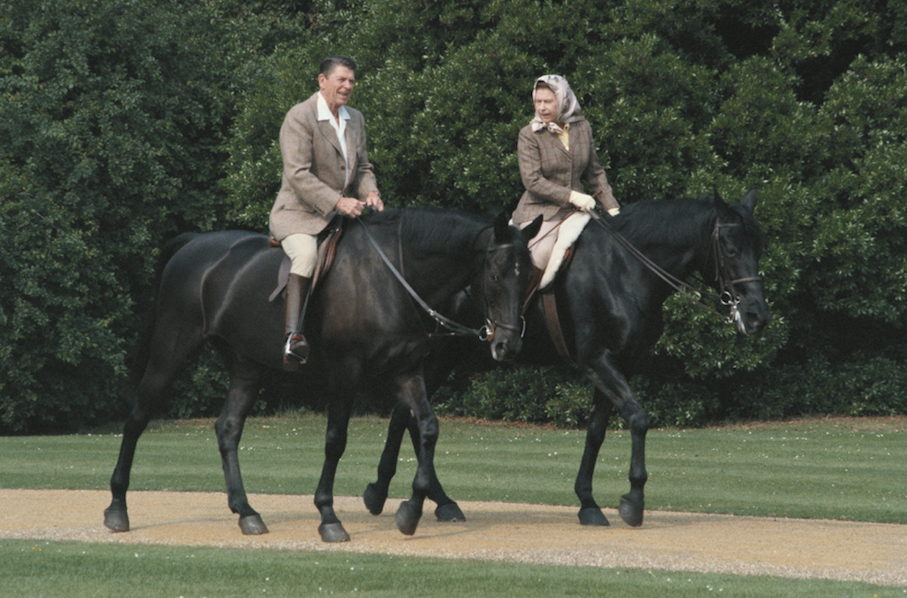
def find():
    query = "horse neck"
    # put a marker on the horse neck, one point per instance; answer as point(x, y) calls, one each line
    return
point(447, 258)
point(675, 234)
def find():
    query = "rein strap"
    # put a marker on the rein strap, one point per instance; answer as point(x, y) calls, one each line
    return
point(685, 289)
point(481, 333)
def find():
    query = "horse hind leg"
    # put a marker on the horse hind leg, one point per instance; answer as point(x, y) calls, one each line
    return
point(245, 379)
point(116, 516)
point(376, 492)
point(164, 365)
point(446, 510)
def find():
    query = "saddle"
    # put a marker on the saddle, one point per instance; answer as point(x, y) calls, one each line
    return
point(327, 249)
point(549, 306)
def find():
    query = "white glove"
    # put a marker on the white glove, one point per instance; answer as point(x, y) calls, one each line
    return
point(614, 211)
point(582, 201)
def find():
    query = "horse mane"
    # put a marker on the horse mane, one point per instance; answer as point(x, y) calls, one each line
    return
point(662, 219)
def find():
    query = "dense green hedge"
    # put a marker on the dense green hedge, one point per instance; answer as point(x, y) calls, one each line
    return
point(124, 122)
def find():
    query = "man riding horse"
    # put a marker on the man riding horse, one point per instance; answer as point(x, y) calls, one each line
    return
point(326, 172)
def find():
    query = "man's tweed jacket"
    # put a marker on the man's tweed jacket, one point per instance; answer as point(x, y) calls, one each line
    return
point(314, 170)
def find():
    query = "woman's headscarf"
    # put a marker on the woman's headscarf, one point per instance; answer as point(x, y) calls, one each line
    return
point(569, 110)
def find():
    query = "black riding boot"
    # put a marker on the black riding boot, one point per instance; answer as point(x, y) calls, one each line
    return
point(296, 350)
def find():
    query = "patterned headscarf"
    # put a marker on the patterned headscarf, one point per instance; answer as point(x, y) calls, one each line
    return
point(569, 110)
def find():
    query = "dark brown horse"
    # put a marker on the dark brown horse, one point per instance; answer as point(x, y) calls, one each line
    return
point(609, 303)
point(364, 321)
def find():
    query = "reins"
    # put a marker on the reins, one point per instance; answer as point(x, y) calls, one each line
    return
point(726, 295)
point(484, 333)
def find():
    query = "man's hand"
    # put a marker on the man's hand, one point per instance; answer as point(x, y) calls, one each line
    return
point(374, 201)
point(352, 207)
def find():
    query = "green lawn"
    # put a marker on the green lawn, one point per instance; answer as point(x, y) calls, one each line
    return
point(833, 469)
point(836, 469)
point(75, 570)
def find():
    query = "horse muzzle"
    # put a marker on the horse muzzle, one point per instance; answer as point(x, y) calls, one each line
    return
point(750, 318)
point(506, 340)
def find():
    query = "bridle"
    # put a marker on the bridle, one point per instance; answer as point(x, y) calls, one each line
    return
point(727, 295)
point(486, 332)
point(491, 325)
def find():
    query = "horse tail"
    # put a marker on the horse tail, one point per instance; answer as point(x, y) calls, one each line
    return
point(141, 356)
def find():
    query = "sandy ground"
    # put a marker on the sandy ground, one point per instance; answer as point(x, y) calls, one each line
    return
point(796, 548)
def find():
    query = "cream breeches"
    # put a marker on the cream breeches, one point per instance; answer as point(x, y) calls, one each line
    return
point(303, 253)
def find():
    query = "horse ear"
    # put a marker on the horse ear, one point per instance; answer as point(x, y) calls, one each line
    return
point(533, 229)
point(717, 199)
point(501, 224)
point(749, 202)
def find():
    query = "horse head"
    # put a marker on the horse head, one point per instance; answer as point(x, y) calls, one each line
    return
point(502, 285)
point(737, 244)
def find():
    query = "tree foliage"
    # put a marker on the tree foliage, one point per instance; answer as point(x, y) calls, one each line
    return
point(124, 122)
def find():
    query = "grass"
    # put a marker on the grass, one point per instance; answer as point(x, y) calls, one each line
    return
point(823, 468)
point(828, 468)
point(99, 571)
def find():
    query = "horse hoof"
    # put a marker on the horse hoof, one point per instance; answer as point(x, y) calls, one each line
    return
point(631, 511)
point(449, 512)
point(407, 517)
point(333, 532)
point(593, 516)
point(252, 525)
point(116, 520)
point(374, 500)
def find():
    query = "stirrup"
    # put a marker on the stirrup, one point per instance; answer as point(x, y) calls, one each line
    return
point(296, 351)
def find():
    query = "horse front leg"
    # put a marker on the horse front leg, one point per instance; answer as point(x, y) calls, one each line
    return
point(411, 391)
point(343, 390)
point(590, 513)
point(244, 383)
point(614, 387)
point(376, 493)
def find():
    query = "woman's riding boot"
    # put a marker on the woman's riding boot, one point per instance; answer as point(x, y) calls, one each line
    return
point(296, 350)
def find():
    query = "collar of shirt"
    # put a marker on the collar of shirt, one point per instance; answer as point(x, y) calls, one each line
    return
point(324, 113)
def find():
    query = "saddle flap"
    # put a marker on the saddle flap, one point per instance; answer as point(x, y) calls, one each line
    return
point(327, 250)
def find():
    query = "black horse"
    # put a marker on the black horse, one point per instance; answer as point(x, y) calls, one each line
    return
point(609, 304)
point(215, 287)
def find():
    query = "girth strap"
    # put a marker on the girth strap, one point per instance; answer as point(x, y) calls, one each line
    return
point(549, 307)
point(554, 326)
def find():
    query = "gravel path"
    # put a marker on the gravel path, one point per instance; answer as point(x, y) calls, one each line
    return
point(795, 548)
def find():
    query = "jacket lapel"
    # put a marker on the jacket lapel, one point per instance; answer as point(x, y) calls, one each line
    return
point(327, 131)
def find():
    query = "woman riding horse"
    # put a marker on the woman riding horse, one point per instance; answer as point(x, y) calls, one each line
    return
point(556, 153)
